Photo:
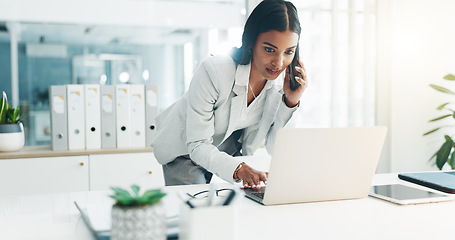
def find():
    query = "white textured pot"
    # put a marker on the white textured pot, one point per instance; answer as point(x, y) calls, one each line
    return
point(11, 137)
point(139, 223)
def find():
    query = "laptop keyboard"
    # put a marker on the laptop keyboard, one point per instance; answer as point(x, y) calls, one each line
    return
point(258, 194)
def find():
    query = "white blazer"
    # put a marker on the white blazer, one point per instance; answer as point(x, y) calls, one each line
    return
point(207, 115)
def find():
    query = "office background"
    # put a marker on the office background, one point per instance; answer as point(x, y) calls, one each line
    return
point(370, 62)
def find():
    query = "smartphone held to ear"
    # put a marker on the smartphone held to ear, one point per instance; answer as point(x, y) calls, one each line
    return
point(293, 72)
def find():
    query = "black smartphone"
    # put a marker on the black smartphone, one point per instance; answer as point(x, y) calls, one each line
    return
point(292, 72)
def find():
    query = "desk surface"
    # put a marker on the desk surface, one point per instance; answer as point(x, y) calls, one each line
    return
point(54, 216)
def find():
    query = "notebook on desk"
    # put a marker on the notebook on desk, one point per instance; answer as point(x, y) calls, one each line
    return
point(321, 164)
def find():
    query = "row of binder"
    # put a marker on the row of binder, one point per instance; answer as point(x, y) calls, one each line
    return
point(95, 116)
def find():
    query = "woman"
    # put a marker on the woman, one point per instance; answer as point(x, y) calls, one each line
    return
point(234, 103)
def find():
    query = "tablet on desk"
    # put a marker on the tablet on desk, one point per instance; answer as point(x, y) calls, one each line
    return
point(402, 194)
point(441, 181)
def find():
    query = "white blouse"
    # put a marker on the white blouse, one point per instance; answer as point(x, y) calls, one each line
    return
point(250, 115)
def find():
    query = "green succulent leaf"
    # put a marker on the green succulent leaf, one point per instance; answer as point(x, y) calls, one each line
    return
point(123, 200)
point(444, 152)
point(16, 116)
point(152, 192)
point(449, 77)
point(439, 118)
point(120, 191)
point(141, 200)
point(126, 199)
point(8, 114)
point(3, 108)
point(135, 189)
point(442, 89)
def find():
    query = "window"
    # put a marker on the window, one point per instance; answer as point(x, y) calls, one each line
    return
point(337, 48)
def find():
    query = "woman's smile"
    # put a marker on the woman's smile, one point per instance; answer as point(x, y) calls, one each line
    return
point(273, 72)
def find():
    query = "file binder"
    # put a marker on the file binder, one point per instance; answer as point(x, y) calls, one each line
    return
point(137, 112)
point(92, 116)
point(151, 111)
point(59, 124)
point(108, 133)
point(76, 116)
point(123, 121)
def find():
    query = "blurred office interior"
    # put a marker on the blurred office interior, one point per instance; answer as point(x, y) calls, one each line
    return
point(161, 43)
point(369, 62)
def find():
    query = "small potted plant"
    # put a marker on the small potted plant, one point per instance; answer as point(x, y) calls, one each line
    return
point(138, 216)
point(11, 129)
point(446, 153)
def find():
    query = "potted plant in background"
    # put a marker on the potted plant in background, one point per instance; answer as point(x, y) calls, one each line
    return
point(446, 153)
point(138, 216)
point(11, 129)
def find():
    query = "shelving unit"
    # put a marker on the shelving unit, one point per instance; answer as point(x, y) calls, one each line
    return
point(39, 170)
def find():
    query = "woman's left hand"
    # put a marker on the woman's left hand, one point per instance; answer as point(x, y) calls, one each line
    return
point(293, 96)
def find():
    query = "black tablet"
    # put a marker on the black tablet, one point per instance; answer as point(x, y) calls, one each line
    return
point(441, 181)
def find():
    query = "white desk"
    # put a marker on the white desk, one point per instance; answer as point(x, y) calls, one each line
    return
point(55, 217)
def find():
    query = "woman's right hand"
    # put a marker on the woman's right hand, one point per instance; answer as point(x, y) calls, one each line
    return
point(251, 178)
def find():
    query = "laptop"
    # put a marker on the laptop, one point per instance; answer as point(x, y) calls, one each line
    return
point(321, 164)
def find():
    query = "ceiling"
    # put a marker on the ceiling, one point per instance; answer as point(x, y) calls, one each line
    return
point(97, 34)
point(182, 23)
point(178, 26)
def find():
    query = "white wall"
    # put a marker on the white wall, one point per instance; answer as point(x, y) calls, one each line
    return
point(415, 47)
